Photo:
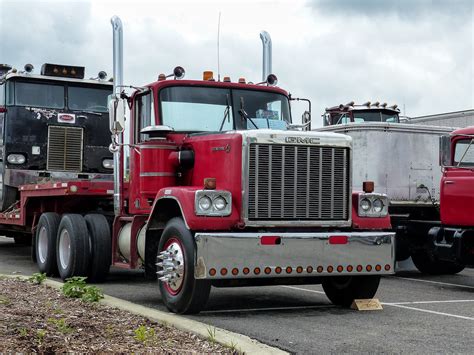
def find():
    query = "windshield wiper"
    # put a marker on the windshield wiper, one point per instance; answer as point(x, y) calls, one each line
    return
point(244, 114)
point(226, 113)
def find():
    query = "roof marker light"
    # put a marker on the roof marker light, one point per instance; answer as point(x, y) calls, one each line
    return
point(207, 75)
point(226, 79)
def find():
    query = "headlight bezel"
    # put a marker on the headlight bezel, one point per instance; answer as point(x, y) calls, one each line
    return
point(16, 158)
point(372, 198)
point(213, 195)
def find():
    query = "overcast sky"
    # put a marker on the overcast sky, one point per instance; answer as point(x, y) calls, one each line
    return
point(416, 53)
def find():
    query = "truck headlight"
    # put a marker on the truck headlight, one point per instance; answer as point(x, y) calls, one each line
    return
point(372, 205)
point(213, 203)
point(16, 159)
point(378, 205)
point(108, 163)
point(205, 203)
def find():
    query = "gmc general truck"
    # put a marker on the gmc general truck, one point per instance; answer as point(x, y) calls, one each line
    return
point(404, 162)
point(216, 190)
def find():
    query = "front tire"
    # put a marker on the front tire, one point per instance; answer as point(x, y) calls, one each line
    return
point(343, 290)
point(45, 243)
point(73, 247)
point(427, 263)
point(181, 292)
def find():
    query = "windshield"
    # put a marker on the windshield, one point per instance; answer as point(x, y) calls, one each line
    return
point(200, 109)
point(39, 95)
point(464, 153)
point(374, 116)
point(88, 98)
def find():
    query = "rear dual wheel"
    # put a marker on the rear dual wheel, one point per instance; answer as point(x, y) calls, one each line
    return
point(73, 245)
point(180, 290)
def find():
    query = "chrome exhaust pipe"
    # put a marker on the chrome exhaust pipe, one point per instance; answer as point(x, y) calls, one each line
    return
point(267, 54)
point(118, 85)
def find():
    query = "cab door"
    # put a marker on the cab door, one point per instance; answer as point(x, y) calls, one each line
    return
point(457, 186)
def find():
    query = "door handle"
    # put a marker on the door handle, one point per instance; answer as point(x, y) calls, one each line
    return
point(449, 182)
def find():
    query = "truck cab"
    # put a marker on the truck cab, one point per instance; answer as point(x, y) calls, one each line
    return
point(455, 238)
point(364, 113)
point(53, 127)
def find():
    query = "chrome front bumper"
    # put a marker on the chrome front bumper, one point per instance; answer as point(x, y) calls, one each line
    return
point(248, 255)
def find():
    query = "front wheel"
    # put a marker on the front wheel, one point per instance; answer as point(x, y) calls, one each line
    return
point(343, 290)
point(427, 263)
point(181, 292)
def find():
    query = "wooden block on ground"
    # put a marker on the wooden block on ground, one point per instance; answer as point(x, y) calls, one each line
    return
point(372, 304)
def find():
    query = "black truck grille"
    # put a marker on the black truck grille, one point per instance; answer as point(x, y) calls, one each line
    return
point(289, 182)
point(65, 148)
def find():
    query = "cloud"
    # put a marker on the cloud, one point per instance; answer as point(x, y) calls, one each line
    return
point(418, 54)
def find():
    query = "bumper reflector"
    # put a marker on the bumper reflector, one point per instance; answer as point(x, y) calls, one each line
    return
point(338, 239)
point(270, 240)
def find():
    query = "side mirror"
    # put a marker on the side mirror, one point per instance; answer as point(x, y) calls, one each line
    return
point(116, 114)
point(306, 120)
point(327, 119)
point(445, 151)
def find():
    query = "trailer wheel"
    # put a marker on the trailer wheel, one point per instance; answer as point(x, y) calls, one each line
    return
point(45, 242)
point(101, 247)
point(73, 246)
point(343, 290)
point(181, 292)
point(427, 263)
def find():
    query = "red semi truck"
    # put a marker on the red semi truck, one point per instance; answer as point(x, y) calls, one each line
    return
point(216, 191)
point(432, 220)
point(453, 240)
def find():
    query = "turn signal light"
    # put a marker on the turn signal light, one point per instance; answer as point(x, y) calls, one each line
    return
point(368, 186)
point(210, 183)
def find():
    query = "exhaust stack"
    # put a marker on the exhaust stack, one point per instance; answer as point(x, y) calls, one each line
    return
point(118, 84)
point(267, 54)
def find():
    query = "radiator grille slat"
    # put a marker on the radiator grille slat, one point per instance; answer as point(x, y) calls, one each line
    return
point(298, 183)
point(65, 146)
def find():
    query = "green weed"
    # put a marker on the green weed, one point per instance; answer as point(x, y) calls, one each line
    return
point(144, 334)
point(37, 278)
point(76, 287)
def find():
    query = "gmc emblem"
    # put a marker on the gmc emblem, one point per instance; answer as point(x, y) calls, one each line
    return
point(302, 140)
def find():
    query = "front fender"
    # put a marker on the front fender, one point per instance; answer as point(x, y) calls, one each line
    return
point(183, 196)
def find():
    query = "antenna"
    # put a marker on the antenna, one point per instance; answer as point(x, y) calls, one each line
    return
point(218, 52)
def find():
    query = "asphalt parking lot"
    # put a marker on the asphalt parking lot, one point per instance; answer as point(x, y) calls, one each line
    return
point(422, 314)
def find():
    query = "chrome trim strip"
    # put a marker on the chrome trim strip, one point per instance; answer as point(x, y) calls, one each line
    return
point(157, 173)
point(169, 147)
point(239, 250)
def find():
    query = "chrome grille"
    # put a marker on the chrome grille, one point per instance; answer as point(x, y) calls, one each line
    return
point(288, 182)
point(65, 148)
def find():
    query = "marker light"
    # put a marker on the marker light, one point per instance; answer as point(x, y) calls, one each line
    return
point(102, 75)
point(29, 68)
point(161, 77)
point(207, 75)
point(226, 79)
point(241, 80)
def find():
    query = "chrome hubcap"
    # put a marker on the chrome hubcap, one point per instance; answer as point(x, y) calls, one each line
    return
point(64, 248)
point(43, 244)
point(171, 266)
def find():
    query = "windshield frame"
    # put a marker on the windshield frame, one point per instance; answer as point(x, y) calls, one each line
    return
point(381, 113)
point(10, 99)
point(235, 106)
